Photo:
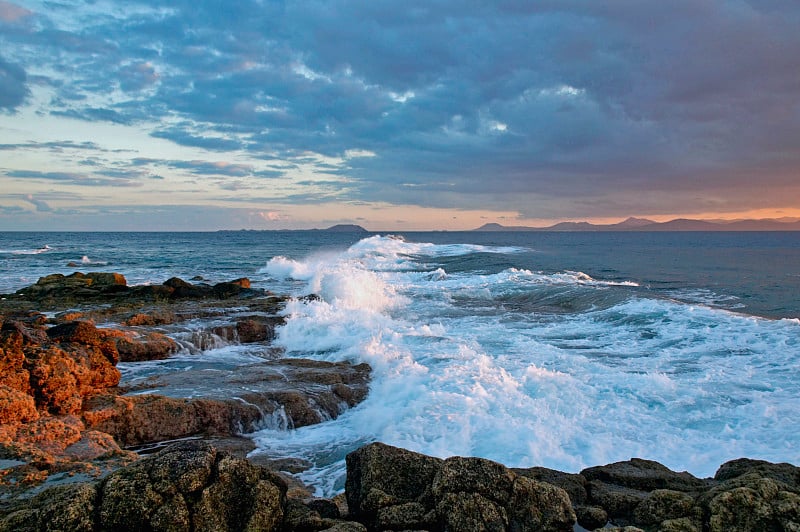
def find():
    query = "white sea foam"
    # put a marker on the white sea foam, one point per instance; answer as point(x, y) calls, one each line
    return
point(687, 385)
point(37, 251)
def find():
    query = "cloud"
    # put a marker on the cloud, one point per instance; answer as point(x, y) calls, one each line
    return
point(137, 76)
point(41, 205)
point(13, 210)
point(134, 218)
point(12, 13)
point(57, 146)
point(273, 216)
point(13, 89)
point(564, 107)
point(187, 138)
point(214, 168)
point(91, 180)
point(94, 114)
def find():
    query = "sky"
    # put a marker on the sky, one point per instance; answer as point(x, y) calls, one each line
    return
point(412, 115)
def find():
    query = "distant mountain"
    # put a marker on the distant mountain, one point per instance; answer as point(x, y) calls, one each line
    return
point(498, 227)
point(642, 224)
point(346, 228)
point(574, 226)
point(634, 222)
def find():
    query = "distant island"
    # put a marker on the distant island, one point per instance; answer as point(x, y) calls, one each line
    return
point(340, 228)
point(643, 224)
point(345, 228)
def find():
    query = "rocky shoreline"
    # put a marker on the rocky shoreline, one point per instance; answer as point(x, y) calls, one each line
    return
point(81, 448)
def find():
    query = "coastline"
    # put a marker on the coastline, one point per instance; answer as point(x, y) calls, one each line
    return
point(73, 436)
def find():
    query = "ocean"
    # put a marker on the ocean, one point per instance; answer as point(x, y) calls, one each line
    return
point(562, 350)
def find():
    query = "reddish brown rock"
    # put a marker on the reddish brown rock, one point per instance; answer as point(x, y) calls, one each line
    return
point(155, 317)
point(54, 381)
point(61, 379)
point(133, 347)
point(294, 392)
point(50, 435)
point(138, 419)
point(76, 332)
point(12, 362)
point(250, 329)
point(92, 445)
point(243, 282)
point(30, 326)
point(106, 279)
point(16, 407)
point(72, 360)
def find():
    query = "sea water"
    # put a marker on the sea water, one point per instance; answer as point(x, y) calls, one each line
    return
point(562, 350)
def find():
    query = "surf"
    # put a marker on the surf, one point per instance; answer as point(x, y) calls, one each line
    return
point(458, 370)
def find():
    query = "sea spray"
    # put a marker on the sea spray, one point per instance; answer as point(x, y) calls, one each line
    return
point(533, 368)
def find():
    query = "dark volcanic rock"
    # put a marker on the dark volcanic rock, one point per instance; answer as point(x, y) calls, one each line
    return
point(753, 495)
point(619, 502)
point(61, 292)
point(191, 486)
point(643, 475)
point(623, 487)
point(188, 486)
point(573, 484)
point(74, 287)
point(663, 505)
point(379, 476)
point(786, 473)
point(391, 488)
point(69, 507)
point(226, 290)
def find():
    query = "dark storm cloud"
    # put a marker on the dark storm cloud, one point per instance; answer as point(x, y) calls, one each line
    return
point(475, 104)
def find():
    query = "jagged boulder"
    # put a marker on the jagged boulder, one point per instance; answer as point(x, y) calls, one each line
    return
point(184, 290)
point(138, 419)
point(250, 329)
point(16, 407)
point(74, 287)
point(69, 507)
point(785, 473)
point(643, 475)
point(73, 361)
point(187, 486)
point(136, 347)
point(288, 392)
point(391, 488)
point(753, 495)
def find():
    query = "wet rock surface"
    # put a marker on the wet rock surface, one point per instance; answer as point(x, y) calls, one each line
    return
point(60, 290)
point(282, 394)
point(193, 486)
point(66, 412)
point(394, 489)
point(188, 486)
